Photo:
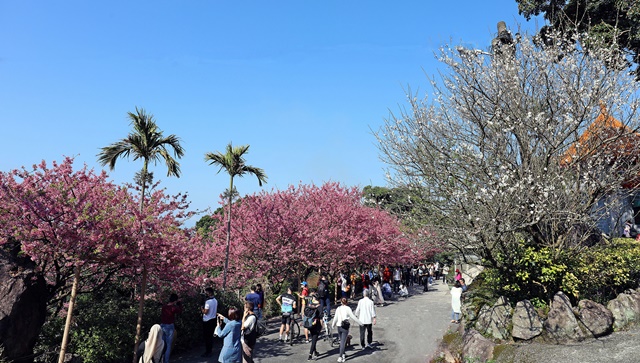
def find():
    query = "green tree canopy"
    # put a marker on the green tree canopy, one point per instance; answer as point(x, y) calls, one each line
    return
point(611, 22)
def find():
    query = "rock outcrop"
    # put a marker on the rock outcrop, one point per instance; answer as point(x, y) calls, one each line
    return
point(625, 309)
point(561, 325)
point(476, 347)
point(495, 321)
point(597, 320)
point(526, 322)
point(23, 304)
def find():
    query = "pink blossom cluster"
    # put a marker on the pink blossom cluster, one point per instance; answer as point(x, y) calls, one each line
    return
point(280, 234)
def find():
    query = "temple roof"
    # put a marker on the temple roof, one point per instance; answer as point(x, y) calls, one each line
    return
point(608, 131)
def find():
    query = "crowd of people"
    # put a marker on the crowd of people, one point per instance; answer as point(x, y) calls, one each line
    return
point(239, 329)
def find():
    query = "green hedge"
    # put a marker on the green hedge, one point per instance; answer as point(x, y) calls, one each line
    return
point(598, 273)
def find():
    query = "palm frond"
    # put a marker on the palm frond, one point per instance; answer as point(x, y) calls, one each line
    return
point(146, 142)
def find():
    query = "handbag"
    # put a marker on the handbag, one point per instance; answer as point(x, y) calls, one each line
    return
point(345, 324)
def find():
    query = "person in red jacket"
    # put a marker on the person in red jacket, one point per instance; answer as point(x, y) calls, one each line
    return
point(167, 323)
point(386, 275)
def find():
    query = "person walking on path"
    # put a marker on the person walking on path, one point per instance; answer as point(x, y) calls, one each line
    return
point(456, 304)
point(344, 285)
point(314, 330)
point(167, 323)
point(287, 304)
point(254, 298)
point(249, 332)
point(445, 272)
point(397, 278)
point(260, 292)
point(304, 300)
point(342, 321)
point(209, 312)
point(378, 294)
point(231, 348)
point(366, 312)
point(353, 278)
point(323, 294)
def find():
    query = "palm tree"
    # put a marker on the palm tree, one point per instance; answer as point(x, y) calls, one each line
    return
point(233, 162)
point(144, 142)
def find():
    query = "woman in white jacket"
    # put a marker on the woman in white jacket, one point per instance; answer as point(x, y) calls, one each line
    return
point(341, 320)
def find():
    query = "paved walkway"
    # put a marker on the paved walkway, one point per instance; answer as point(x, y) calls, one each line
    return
point(407, 330)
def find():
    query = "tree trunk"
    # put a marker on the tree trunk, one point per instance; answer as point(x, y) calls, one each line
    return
point(143, 290)
point(226, 258)
point(143, 287)
point(67, 325)
point(336, 289)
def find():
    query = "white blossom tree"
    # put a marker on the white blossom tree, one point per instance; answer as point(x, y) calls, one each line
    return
point(496, 149)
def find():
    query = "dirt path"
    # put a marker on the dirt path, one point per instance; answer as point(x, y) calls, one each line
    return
point(407, 330)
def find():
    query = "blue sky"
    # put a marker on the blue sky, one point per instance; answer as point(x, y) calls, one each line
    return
point(302, 82)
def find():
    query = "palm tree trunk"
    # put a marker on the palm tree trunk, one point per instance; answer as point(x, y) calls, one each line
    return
point(226, 259)
point(67, 325)
point(143, 283)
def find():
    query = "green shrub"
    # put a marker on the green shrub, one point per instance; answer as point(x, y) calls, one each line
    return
point(598, 273)
point(607, 270)
point(534, 273)
point(105, 323)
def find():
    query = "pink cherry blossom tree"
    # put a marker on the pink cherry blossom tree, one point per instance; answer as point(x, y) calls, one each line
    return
point(287, 233)
point(65, 220)
point(76, 225)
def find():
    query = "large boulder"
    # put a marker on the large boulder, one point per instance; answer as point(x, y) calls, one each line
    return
point(475, 347)
point(526, 321)
point(561, 325)
point(597, 320)
point(625, 309)
point(23, 306)
point(494, 321)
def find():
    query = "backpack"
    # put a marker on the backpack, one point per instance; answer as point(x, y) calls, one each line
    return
point(251, 337)
point(309, 317)
point(322, 289)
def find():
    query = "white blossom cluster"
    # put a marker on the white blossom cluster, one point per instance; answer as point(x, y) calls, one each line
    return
point(495, 145)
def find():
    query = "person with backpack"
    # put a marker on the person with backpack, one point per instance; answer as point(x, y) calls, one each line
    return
point(342, 321)
point(249, 332)
point(323, 294)
point(312, 322)
point(304, 300)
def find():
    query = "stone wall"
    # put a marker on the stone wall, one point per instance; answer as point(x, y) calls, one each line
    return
point(564, 323)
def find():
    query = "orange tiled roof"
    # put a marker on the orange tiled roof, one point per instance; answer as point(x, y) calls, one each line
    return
point(626, 143)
